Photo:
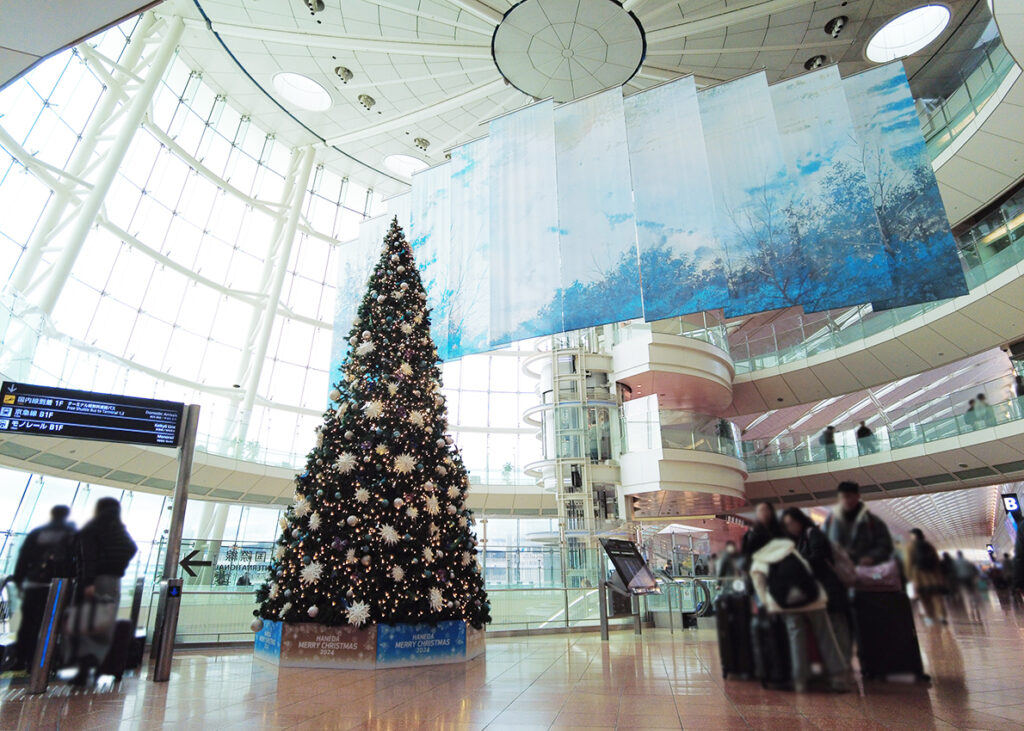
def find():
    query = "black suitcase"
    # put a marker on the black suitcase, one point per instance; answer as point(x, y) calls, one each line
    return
point(772, 664)
point(136, 651)
point(886, 635)
point(117, 656)
point(732, 619)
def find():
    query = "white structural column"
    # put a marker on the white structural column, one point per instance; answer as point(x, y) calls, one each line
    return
point(100, 118)
point(111, 162)
point(275, 267)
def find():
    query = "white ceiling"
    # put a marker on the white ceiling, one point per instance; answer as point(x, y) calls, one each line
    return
point(31, 30)
point(962, 519)
point(428, 65)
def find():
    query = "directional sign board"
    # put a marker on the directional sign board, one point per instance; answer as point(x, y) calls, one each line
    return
point(631, 567)
point(67, 414)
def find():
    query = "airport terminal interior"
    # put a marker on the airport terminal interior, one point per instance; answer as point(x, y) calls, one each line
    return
point(464, 364)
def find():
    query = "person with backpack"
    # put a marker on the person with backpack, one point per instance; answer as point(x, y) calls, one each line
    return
point(47, 553)
point(815, 548)
point(863, 535)
point(924, 571)
point(786, 587)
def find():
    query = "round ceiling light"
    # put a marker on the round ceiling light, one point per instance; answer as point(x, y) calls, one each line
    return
point(302, 91)
point(404, 165)
point(908, 33)
point(551, 48)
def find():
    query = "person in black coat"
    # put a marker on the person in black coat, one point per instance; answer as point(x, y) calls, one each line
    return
point(766, 527)
point(47, 553)
point(816, 549)
point(105, 551)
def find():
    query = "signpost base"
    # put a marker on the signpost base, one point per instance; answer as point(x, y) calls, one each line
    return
point(308, 645)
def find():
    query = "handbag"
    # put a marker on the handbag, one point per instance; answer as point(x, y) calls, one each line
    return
point(842, 565)
point(90, 619)
point(885, 576)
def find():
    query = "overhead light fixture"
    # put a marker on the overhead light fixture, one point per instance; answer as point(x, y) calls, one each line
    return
point(815, 62)
point(404, 165)
point(367, 101)
point(344, 73)
point(302, 91)
point(835, 26)
point(908, 33)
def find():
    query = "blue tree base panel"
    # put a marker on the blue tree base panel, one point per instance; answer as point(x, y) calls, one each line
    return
point(309, 645)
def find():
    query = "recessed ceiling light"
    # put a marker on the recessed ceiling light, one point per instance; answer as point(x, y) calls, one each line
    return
point(302, 91)
point(908, 33)
point(404, 165)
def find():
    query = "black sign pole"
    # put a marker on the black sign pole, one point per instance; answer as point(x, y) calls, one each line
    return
point(162, 656)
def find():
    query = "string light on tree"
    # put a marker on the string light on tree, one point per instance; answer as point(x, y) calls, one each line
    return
point(354, 547)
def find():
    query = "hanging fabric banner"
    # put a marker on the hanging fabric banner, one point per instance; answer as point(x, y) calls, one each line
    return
point(920, 249)
point(430, 232)
point(682, 268)
point(596, 227)
point(356, 260)
point(750, 187)
point(469, 273)
point(525, 269)
point(827, 251)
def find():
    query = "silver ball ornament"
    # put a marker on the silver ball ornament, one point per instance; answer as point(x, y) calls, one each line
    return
point(351, 520)
point(365, 560)
point(313, 611)
point(257, 625)
point(399, 502)
point(366, 334)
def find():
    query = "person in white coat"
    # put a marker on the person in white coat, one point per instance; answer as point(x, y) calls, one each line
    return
point(785, 585)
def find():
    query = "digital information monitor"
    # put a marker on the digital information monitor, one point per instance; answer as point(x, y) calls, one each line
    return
point(61, 412)
point(631, 567)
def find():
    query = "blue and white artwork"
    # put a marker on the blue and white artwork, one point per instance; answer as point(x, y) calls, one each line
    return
point(356, 260)
point(430, 236)
point(525, 267)
point(826, 248)
point(750, 185)
point(682, 266)
point(414, 644)
point(469, 272)
point(920, 250)
point(596, 227)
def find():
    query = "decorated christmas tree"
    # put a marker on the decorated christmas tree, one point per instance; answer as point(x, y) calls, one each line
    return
point(379, 531)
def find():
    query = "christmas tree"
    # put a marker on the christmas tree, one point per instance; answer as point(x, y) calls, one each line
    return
point(379, 531)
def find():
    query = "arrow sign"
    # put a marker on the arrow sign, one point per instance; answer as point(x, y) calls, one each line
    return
point(187, 563)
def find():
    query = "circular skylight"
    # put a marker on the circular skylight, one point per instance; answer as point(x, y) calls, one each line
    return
point(302, 91)
point(908, 33)
point(404, 165)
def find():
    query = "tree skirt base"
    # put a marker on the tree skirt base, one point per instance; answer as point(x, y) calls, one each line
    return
point(308, 645)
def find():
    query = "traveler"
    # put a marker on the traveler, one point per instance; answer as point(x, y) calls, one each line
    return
point(971, 415)
point(700, 568)
point(1018, 386)
point(786, 586)
point(814, 546)
point(105, 550)
point(924, 571)
point(965, 574)
point(766, 525)
point(828, 438)
point(1008, 567)
point(946, 567)
point(853, 527)
point(729, 562)
point(47, 553)
point(986, 414)
point(867, 442)
point(1017, 582)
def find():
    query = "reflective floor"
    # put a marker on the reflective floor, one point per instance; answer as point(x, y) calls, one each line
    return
point(660, 681)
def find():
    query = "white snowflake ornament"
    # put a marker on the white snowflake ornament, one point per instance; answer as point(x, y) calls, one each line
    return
point(428, 554)
point(436, 600)
point(362, 495)
point(389, 535)
point(350, 555)
point(345, 462)
point(392, 389)
point(285, 609)
point(404, 463)
point(397, 573)
point(357, 613)
point(431, 505)
point(406, 369)
point(406, 328)
point(466, 558)
point(416, 418)
point(274, 590)
point(373, 409)
point(311, 573)
point(412, 512)
point(365, 348)
point(301, 507)
point(453, 491)
point(314, 521)
point(279, 552)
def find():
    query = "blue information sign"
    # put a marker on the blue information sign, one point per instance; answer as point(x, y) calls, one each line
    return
point(69, 414)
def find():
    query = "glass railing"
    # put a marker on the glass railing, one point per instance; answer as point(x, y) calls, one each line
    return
point(672, 429)
point(945, 121)
point(988, 249)
point(798, 450)
point(708, 327)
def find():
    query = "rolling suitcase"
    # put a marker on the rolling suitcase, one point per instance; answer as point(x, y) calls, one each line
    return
point(886, 635)
point(117, 656)
point(771, 651)
point(732, 614)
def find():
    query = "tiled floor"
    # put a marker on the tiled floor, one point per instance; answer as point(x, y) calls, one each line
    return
point(659, 681)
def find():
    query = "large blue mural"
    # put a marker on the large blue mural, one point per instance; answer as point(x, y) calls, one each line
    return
point(814, 192)
point(683, 267)
point(596, 229)
point(919, 247)
point(827, 251)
